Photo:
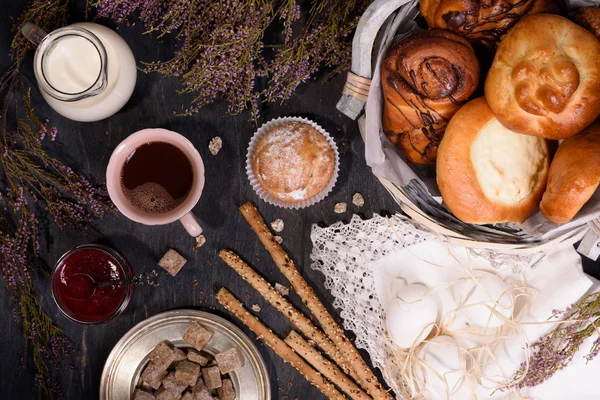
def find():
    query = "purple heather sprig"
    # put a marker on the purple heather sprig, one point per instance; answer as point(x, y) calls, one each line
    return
point(35, 181)
point(45, 343)
point(288, 13)
point(222, 51)
point(555, 350)
point(46, 14)
point(29, 171)
point(324, 42)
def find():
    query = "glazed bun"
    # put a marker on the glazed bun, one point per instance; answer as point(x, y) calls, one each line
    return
point(481, 21)
point(545, 78)
point(487, 173)
point(425, 79)
point(574, 175)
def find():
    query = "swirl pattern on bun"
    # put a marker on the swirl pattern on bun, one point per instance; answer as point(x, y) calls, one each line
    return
point(485, 21)
point(425, 79)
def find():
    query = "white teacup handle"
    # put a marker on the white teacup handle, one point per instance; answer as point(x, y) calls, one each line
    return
point(191, 225)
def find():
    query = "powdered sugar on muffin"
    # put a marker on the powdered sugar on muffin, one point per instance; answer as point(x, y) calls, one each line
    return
point(293, 162)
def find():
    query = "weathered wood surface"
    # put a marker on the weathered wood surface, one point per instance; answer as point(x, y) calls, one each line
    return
point(87, 146)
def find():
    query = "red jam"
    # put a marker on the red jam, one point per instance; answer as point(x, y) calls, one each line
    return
point(75, 284)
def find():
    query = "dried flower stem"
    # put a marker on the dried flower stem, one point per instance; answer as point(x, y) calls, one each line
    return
point(324, 42)
point(555, 350)
point(222, 50)
point(35, 180)
point(45, 343)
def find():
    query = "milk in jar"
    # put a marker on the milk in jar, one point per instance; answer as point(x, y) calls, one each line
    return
point(85, 71)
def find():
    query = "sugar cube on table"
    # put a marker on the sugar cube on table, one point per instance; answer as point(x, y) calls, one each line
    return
point(153, 375)
point(226, 392)
point(229, 361)
point(215, 145)
point(164, 355)
point(140, 394)
point(197, 357)
point(197, 336)
point(212, 377)
point(187, 372)
point(164, 394)
point(173, 384)
point(201, 392)
point(172, 262)
point(358, 200)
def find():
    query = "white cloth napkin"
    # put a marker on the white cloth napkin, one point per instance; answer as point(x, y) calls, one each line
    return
point(558, 281)
point(578, 381)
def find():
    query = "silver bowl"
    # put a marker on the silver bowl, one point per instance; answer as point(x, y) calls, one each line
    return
point(130, 355)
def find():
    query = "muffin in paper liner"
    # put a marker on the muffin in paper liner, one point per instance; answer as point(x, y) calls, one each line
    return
point(266, 196)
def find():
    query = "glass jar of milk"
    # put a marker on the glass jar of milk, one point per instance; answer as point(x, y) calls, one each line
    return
point(85, 71)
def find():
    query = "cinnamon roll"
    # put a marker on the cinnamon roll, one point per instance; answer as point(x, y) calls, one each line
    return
point(425, 79)
point(484, 21)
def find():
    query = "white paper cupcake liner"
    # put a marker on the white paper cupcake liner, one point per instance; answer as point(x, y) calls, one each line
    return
point(266, 196)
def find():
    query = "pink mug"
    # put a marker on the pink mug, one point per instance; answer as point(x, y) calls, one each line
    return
point(182, 212)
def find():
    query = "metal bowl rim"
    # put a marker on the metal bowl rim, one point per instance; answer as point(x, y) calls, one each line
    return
point(122, 344)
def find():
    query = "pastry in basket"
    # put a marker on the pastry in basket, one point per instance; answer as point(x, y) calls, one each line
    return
point(589, 18)
point(425, 79)
point(545, 78)
point(574, 175)
point(481, 21)
point(487, 173)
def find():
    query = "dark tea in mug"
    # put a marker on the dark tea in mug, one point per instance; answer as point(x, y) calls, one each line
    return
point(157, 177)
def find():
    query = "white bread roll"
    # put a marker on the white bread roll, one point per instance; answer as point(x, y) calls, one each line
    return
point(574, 175)
point(487, 173)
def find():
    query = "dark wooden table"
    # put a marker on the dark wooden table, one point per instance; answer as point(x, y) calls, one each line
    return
point(88, 146)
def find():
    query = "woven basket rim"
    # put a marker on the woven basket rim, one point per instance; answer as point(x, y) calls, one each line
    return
point(529, 244)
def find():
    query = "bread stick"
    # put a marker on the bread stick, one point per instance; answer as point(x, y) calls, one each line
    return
point(284, 351)
point(296, 317)
point(285, 264)
point(325, 367)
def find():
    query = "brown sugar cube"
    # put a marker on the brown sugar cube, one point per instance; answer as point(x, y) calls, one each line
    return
point(153, 375)
point(201, 392)
point(164, 394)
point(173, 384)
point(140, 394)
point(197, 336)
point(197, 357)
point(212, 377)
point(204, 395)
point(187, 372)
point(199, 386)
point(188, 396)
point(164, 355)
point(180, 355)
point(229, 360)
point(172, 262)
point(226, 392)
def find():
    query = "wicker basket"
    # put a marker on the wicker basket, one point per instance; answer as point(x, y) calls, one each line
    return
point(377, 27)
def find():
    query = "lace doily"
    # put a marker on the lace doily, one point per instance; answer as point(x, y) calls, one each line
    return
point(344, 254)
